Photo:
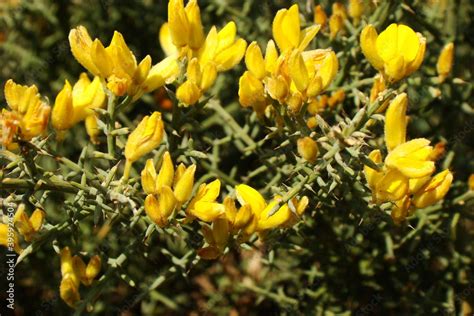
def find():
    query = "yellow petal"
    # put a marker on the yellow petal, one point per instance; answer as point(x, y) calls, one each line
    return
point(416, 63)
point(209, 75)
point(208, 50)
point(81, 45)
point(392, 186)
point(166, 174)
point(395, 69)
point(152, 209)
point(408, 43)
point(220, 230)
point(141, 73)
point(271, 56)
point(368, 39)
point(69, 292)
point(93, 268)
point(193, 71)
point(231, 56)
point(188, 93)
point(286, 28)
point(251, 90)
point(146, 137)
point(298, 71)
point(281, 216)
point(162, 73)
point(414, 168)
point(61, 117)
point(277, 88)
point(178, 23)
point(308, 149)
point(416, 184)
point(167, 201)
point(92, 128)
point(166, 41)
point(248, 195)
point(196, 37)
point(254, 61)
point(226, 36)
point(328, 69)
point(396, 122)
point(435, 190)
point(307, 36)
point(208, 211)
point(230, 209)
point(37, 218)
point(101, 59)
point(371, 175)
point(445, 60)
point(184, 186)
point(243, 217)
point(400, 209)
point(148, 177)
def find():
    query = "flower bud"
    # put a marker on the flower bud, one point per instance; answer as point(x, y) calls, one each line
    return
point(308, 149)
point(92, 269)
point(396, 122)
point(184, 185)
point(61, 117)
point(320, 16)
point(188, 93)
point(445, 61)
point(356, 9)
point(166, 174)
point(148, 177)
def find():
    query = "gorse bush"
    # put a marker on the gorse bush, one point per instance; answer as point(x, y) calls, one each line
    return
point(272, 158)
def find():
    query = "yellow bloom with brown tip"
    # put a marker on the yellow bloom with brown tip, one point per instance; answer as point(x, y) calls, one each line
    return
point(320, 16)
point(397, 52)
point(445, 61)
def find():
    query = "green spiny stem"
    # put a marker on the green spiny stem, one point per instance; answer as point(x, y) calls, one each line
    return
point(110, 123)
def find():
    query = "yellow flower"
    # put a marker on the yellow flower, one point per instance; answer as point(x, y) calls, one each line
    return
point(401, 209)
point(356, 9)
point(336, 24)
point(9, 238)
point(238, 219)
point(183, 184)
point(470, 182)
point(396, 122)
point(73, 272)
point(396, 52)
point(445, 61)
point(184, 23)
point(203, 205)
point(146, 137)
point(159, 209)
point(28, 226)
point(115, 63)
point(251, 91)
point(29, 115)
point(216, 237)
point(377, 88)
point(308, 149)
point(371, 175)
point(434, 190)
point(392, 186)
point(265, 216)
point(320, 16)
point(412, 158)
point(75, 104)
point(287, 33)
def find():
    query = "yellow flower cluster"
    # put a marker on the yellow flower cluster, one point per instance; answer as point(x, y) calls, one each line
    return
point(182, 38)
point(396, 52)
point(405, 179)
point(26, 226)
point(169, 189)
point(28, 115)
point(117, 65)
point(77, 103)
point(292, 76)
point(74, 272)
